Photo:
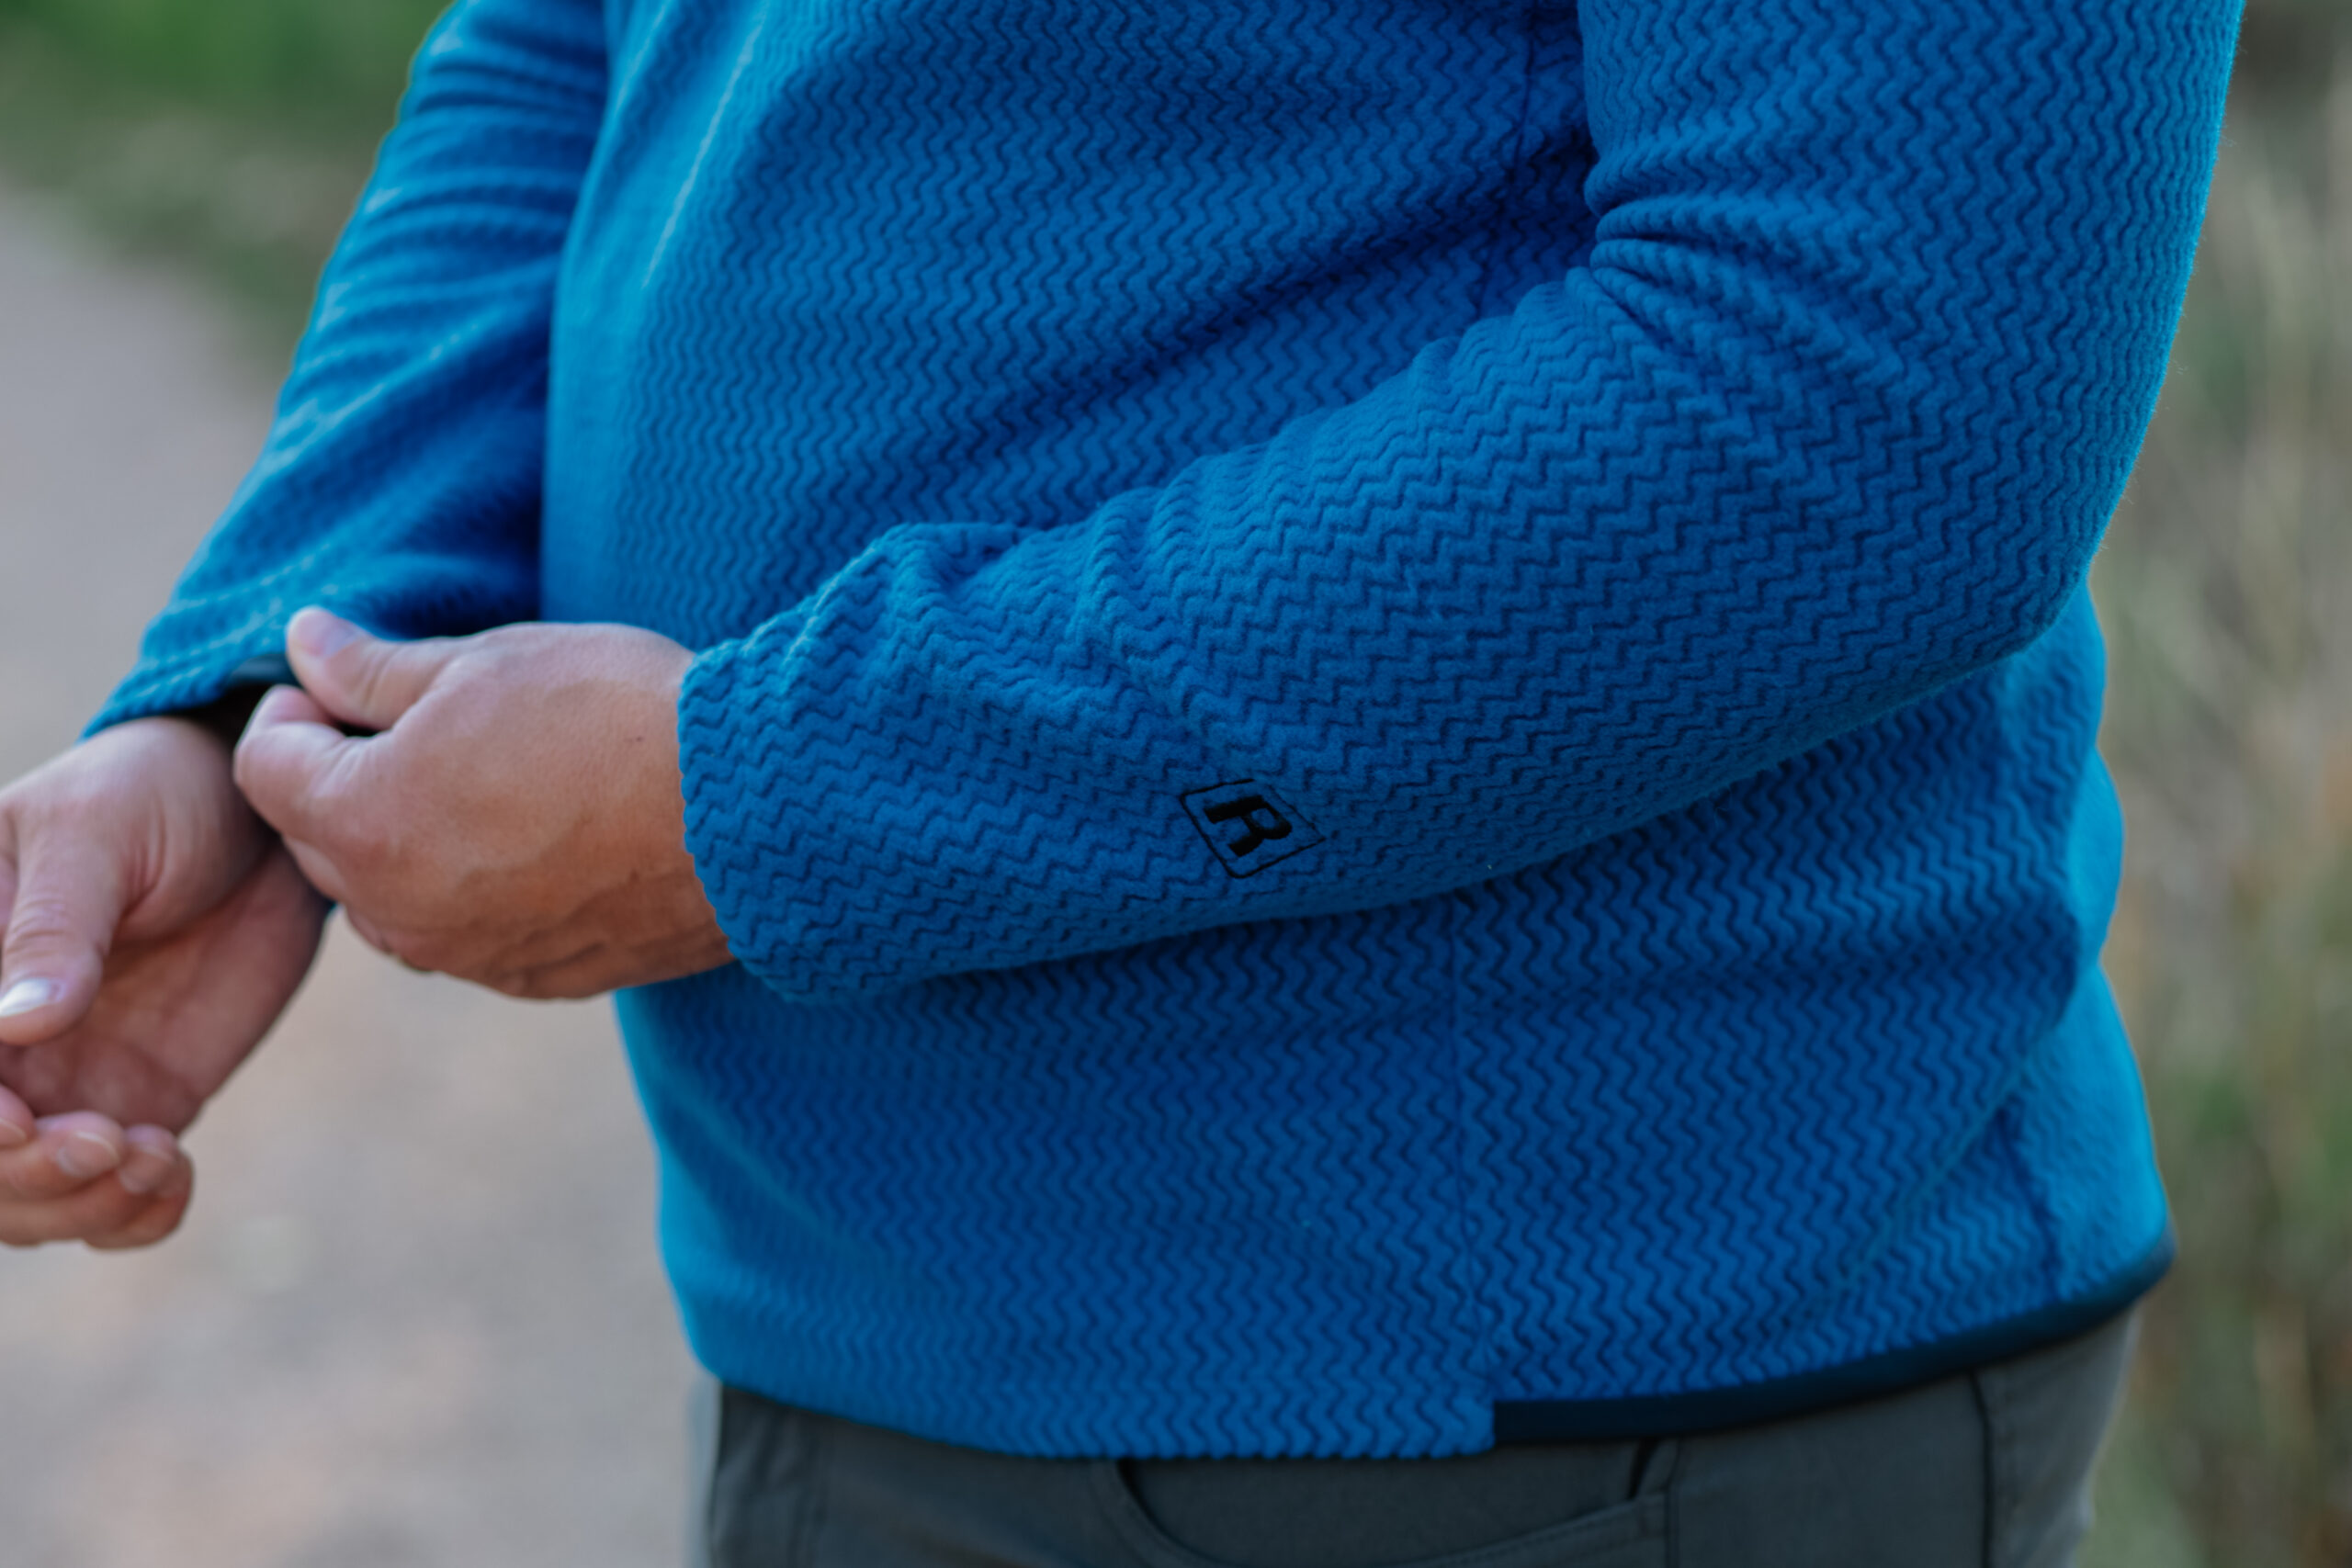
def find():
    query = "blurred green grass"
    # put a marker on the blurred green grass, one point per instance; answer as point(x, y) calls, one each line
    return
point(2226, 590)
point(323, 59)
point(232, 135)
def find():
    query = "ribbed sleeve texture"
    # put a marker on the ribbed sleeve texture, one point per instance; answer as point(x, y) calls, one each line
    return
point(1395, 708)
point(401, 482)
point(1797, 444)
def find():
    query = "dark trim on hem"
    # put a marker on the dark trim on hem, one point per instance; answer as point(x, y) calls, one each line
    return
point(1679, 1415)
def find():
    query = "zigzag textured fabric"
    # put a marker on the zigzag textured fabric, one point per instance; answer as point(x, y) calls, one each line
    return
point(1396, 706)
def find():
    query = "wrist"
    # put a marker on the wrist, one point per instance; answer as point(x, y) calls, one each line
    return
point(169, 788)
point(224, 717)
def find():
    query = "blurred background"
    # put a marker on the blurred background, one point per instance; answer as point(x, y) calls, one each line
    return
point(416, 1316)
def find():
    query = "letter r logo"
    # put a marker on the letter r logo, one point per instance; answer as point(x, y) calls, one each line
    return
point(1247, 827)
point(1259, 822)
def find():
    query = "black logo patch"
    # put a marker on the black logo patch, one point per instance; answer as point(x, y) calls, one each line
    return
point(1247, 826)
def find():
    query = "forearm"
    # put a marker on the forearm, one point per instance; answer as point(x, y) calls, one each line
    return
point(401, 479)
point(1833, 416)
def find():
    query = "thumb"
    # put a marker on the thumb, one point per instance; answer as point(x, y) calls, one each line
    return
point(69, 895)
point(365, 682)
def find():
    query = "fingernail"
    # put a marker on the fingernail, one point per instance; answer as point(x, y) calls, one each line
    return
point(320, 633)
point(85, 1155)
point(14, 1134)
point(26, 996)
point(145, 1171)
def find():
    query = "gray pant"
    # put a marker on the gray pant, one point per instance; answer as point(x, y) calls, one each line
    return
point(1989, 1469)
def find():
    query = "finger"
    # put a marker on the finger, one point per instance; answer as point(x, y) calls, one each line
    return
point(289, 760)
point(18, 1124)
point(69, 895)
point(367, 931)
point(363, 680)
point(70, 1152)
point(151, 1225)
point(591, 972)
point(320, 871)
point(151, 1162)
point(102, 1209)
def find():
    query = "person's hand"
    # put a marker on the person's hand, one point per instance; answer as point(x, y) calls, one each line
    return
point(517, 819)
point(154, 932)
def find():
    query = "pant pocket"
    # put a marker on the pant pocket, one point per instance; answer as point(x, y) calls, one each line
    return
point(1583, 1505)
point(703, 1439)
point(2045, 1415)
point(766, 1481)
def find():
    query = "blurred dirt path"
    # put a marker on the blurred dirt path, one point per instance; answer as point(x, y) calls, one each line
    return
point(415, 1318)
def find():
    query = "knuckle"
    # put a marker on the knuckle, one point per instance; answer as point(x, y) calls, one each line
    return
point(426, 950)
point(40, 917)
point(356, 851)
point(369, 842)
point(244, 766)
point(523, 985)
point(273, 786)
point(366, 677)
point(501, 644)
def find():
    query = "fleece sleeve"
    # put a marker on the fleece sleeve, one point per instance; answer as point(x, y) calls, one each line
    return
point(1833, 415)
point(400, 480)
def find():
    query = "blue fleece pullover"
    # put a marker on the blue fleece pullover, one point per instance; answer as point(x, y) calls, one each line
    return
point(1395, 704)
